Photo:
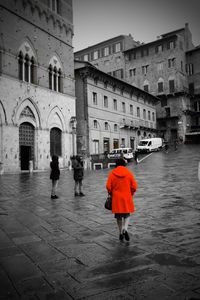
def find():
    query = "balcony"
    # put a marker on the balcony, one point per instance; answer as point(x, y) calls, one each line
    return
point(126, 123)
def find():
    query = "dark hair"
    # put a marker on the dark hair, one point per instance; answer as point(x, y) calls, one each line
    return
point(54, 158)
point(120, 162)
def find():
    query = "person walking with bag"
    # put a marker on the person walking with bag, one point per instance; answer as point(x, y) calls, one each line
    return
point(78, 176)
point(54, 176)
point(122, 185)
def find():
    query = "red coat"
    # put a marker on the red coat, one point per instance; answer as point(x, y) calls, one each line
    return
point(122, 185)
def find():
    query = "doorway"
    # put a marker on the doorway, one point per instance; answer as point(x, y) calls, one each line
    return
point(26, 144)
point(25, 152)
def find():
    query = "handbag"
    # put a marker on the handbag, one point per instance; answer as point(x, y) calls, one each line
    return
point(108, 203)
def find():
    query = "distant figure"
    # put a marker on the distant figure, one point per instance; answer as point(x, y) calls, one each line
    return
point(78, 176)
point(175, 144)
point(166, 147)
point(121, 184)
point(136, 156)
point(54, 176)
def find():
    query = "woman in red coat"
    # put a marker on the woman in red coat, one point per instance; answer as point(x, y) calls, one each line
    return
point(121, 184)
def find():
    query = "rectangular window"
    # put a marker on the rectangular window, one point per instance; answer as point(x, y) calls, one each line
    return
point(191, 88)
point(145, 69)
point(105, 101)
point(114, 104)
point(106, 51)
point(132, 72)
point(95, 146)
point(123, 107)
point(146, 88)
point(119, 73)
point(118, 47)
point(159, 48)
point(96, 55)
point(131, 109)
point(160, 66)
point(171, 86)
point(167, 110)
point(86, 57)
point(138, 112)
point(94, 97)
point(144, 114)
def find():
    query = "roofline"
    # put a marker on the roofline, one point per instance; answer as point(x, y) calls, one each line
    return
point(172, 32)
point(90, 66)
point(194, 49)
point(151, 43)
point(98, 44)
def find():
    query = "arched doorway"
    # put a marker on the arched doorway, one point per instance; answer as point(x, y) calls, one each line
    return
point(26, 144)
point(55, 141)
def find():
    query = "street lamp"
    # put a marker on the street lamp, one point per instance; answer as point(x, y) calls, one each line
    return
point(73, 123)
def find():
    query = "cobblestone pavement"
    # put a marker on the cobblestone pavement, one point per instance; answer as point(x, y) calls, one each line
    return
point(68, 248)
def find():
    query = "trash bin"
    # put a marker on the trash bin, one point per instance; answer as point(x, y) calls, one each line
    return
point(30, 166)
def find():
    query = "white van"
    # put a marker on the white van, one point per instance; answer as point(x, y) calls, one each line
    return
point(149, 145)
point(117, 153)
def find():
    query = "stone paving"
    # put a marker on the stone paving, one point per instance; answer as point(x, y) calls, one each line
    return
point(68, 248)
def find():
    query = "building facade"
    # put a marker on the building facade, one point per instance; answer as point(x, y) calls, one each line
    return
point(161, 68)
point(192, 111)
point(37, 89)
point(108, 56)
point(110, 112)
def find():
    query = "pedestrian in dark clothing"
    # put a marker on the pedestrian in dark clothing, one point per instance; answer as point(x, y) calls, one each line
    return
point(166, 147)
point(136, 156)
point(54, 176)
point(78, 176)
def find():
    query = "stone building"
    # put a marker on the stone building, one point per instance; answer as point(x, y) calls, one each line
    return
point(159, 68)
point(108, 56)
point(111, 113)
point(37, 89)
point(192, 111)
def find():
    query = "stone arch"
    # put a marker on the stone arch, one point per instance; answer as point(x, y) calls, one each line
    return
point(55, 62)
point(26, 47)
point(56, 119)
point(20, 117)
point(3, 117)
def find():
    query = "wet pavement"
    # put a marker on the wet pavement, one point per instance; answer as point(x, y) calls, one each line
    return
point(68, 248)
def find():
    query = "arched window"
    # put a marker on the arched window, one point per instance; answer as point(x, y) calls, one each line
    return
point(27, 64)
point(55, 75)
point(20, 65)
point(50, 77)
point(115, 127)
point(33, 70)
point(95, 123)
point(55, 141)
point(160, 85)
point(26, 68)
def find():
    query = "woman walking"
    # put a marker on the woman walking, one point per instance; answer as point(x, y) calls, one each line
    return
point(121, 184)
point(78, 176)
point(54, 176)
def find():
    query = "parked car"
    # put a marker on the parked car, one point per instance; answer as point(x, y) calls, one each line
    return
point(127, 153)
point(149, 145)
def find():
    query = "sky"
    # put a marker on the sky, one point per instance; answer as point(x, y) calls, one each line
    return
point(98, 20)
